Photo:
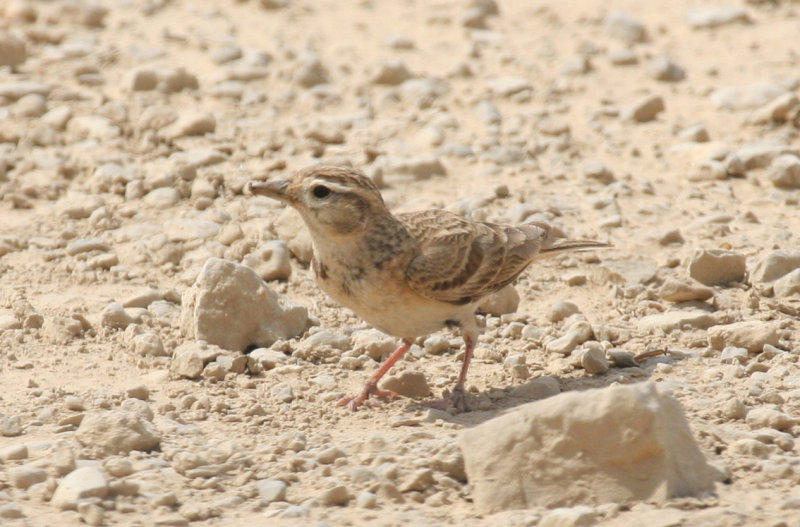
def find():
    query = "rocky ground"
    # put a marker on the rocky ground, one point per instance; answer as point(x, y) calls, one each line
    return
point(131, 259)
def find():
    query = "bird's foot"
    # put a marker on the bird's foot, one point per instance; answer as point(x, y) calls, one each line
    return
point(369, 389)
point(455, 403)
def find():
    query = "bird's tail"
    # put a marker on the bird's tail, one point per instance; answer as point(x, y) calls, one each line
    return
point(563, 245)
point(551, 245)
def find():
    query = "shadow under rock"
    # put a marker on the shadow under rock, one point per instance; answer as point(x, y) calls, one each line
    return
point(503, 400)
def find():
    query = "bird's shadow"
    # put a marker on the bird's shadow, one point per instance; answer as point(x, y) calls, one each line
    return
point(503, 400)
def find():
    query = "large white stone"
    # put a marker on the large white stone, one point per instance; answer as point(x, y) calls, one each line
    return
point(613, 444)
point(231, 307)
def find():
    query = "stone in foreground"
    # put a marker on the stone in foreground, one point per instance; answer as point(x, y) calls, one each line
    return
point(614, 444)
point(231, 307)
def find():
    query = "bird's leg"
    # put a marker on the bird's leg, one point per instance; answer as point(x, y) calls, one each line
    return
point(458, 398)
point(371, 387)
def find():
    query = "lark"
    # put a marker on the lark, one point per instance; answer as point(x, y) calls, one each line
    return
point(410, 274)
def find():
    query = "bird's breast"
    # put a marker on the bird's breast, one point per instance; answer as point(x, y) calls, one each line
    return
point(383, 298)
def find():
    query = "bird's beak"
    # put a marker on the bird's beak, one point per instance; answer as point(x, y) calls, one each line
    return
point(275, 189)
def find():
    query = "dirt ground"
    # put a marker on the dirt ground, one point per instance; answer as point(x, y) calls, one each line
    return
point(128, 130)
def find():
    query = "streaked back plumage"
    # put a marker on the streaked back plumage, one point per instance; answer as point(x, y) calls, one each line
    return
point(461, 261)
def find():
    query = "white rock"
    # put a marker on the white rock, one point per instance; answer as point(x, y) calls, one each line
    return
point(788, 284)
point(90, 513)
point(717, 266)
point(81, 483)
point(784, 171)
point(752, 335)
point(83, 245)
point(86, 13)
point(674, 290)
point(190, 124)
point(539, 388)
point(310, 71)
point(671, 320)
point(594, 361)
point(270, 261)
point(644, 110)
point(502, 302)
point(746, 97)
point(148, 344)
point(561, 310)
point(78, 206)
point(420, 168)
point(270, 490)
point(407, 384)
point(137, 407)
point(366, 500)
point(622, 57)
point(597, 170)
point(507, 86)
point(162, 198)
point(697, 134)
point(762, 153)
point(11, 511)
point(377, 345)
point(24, 476)
point(16, 90)
point(624, 27)
point(580, 516)
point(576, 334)
point(156, 117)
point(116, 432)
point(231, 307)
point(189, 359)
point(32, 105)
point(776, 111)
point(58, 117)
point(114, 316)
point(14, 452)
point(664, 69)
point(289, 226)
point(264, 359)
point(614, 444)
point(12, 50)
point(488, 113)
point(769, 418)
point(391, 72)
point(715, 16)
point(142, 79)
point(337, 495)
point(734, 355)
point(93, 127)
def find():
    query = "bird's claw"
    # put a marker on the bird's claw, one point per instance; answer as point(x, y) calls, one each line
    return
point(356, 401)
point(456, 401)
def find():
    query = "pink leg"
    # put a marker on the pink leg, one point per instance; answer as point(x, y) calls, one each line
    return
point(459, 396)
point(371, 387)
point(458, 399)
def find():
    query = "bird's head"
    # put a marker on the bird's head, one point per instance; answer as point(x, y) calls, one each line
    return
point(332, 200)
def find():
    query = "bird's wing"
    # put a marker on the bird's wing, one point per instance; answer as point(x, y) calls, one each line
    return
point(461, 261)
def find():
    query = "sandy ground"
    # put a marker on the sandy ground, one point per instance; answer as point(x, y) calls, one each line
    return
point(528, 115)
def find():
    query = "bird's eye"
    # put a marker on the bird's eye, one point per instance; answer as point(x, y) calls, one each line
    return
point(321, 191)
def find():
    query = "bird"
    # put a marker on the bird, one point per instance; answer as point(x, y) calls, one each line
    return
point(410, 274)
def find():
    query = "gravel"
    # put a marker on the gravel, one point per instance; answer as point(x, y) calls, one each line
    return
point(162, 334)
